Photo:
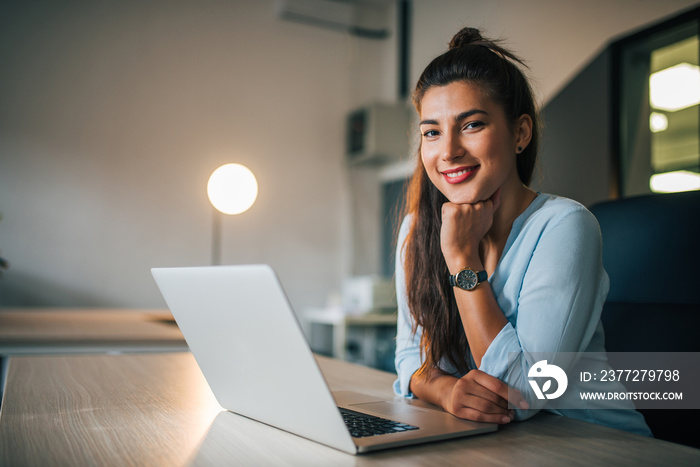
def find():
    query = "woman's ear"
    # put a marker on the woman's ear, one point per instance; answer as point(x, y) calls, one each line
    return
point(523, 132)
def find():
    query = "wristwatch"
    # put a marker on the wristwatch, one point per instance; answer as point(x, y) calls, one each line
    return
point(468, 279)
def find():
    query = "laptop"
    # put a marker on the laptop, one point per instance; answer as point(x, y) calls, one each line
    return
point(250, 347)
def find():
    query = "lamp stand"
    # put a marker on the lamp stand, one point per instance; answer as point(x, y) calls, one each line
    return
point(216, 238)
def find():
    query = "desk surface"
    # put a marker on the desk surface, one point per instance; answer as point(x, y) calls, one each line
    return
point(156, 409)
point(26, 331)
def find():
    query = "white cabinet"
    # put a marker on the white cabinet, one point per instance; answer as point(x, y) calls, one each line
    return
point(367, 339)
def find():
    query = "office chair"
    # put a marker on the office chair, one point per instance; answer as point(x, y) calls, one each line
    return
point(651, 251)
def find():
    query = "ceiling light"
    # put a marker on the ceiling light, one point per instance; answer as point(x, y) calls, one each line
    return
point(674, 182)
point(658, 122)
point(675, 88)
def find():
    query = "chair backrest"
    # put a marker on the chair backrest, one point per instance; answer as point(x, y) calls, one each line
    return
point(651, 247)
point(651, 251)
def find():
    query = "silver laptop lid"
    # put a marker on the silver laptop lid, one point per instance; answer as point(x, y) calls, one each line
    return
point(245, 337)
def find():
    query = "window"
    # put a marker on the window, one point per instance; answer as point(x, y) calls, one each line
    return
point(658, 84)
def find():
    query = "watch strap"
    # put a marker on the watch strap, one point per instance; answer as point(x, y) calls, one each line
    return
point(453, 280)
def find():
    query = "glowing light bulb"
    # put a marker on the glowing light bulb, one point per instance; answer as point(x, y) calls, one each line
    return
point(232, 188)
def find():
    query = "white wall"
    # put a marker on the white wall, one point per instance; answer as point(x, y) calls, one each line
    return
point(113, 114)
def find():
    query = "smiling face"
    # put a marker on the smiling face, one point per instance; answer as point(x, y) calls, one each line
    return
point(468, 147)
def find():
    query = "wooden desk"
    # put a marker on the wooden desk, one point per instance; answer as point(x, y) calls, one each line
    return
point(156, 409)
point(27, 331)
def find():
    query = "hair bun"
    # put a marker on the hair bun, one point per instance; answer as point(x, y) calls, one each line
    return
point(465, 37)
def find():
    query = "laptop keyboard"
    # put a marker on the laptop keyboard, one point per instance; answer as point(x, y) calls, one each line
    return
point(362, 425)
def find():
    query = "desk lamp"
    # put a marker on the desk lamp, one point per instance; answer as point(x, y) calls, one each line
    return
point(232, 189)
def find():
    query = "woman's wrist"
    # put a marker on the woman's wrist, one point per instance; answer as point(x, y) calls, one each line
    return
point(447, 385)
point(434, 387)
point(456, 264)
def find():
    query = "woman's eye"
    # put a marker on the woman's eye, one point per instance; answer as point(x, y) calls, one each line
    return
point(430, 133)
point(474, 125)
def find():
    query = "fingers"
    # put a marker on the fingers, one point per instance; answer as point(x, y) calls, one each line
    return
point(468, 218)
point(499, 388)
point(482, 207)
point(474, 395)
point(470, 386)
point(480, 397)
point(463, 228)
point(479, 409)
point(468, 413)
point(472, 401)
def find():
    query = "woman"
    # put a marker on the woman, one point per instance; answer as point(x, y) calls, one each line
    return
point(488, 270)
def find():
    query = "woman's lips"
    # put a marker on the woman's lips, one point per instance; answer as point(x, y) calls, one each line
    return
point(459, 174)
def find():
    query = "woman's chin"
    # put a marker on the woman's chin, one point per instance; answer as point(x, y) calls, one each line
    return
point(463, 198)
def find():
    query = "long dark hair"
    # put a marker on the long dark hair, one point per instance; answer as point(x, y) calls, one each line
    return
point(483, 63)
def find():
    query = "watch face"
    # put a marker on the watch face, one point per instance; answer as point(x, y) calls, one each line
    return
point(466, 279)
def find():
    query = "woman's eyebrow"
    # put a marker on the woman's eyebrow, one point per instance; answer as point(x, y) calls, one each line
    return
point(459, 117)
point(469, 113)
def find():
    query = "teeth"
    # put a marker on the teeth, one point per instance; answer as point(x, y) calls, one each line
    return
point(457, 174)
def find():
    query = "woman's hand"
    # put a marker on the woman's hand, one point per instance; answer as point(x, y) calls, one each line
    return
point(481, 397)
point(463, 227)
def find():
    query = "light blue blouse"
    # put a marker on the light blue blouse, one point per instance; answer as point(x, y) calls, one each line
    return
point(551, 286)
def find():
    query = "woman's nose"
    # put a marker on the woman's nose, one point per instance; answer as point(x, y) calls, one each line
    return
point(452, 148)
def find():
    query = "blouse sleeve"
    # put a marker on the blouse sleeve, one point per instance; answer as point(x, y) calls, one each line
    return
point(559, 307)
point(408, 358)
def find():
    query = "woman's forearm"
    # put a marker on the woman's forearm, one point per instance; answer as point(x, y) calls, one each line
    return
point(482, 318)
